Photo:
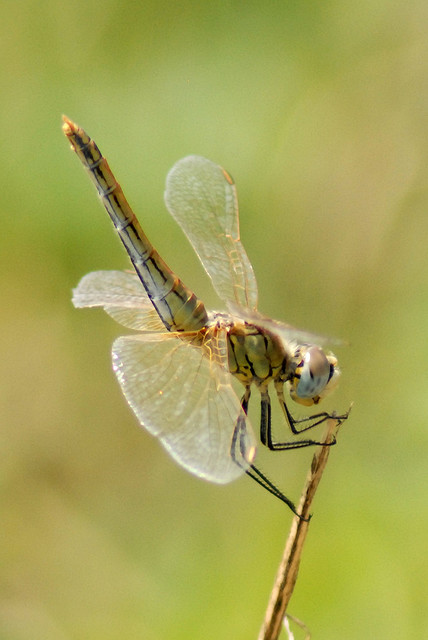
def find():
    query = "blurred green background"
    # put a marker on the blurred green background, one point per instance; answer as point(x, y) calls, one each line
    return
point(319, 111)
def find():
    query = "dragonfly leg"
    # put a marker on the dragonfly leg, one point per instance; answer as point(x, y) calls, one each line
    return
point(238, 437)
point(246, 399)
point(266, 426)
point(238, 444)
point(311, 421)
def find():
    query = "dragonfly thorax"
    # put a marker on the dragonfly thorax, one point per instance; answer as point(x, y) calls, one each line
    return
point(256, 356)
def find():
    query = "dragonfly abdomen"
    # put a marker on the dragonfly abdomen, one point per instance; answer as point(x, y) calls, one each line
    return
point(178, 308)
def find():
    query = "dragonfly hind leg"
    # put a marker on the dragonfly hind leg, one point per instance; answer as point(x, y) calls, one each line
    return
point(238, 452)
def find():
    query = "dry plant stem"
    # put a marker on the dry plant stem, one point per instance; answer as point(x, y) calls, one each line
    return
point(289, 567)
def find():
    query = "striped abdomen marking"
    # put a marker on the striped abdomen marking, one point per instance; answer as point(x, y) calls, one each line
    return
point(178, 308)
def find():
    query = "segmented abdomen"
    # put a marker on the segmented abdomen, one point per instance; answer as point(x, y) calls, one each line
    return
point(178, 308)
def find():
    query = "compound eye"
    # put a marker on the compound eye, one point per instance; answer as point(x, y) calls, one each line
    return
point(315, 372)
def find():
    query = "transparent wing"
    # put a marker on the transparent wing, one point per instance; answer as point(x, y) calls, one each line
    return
point(122, 296)
point(201, 196)
point(286, 332)
point(185, 400)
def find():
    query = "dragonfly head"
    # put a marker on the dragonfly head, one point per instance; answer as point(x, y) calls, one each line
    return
point(315, 375)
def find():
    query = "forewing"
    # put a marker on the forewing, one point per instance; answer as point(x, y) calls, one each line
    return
point(122, 296)
point(176, 394)
point(286, 332)
point(202, 198)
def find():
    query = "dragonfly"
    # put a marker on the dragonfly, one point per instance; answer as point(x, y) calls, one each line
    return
point(177, 372)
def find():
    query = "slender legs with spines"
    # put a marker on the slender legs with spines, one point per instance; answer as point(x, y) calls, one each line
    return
point(238, 438)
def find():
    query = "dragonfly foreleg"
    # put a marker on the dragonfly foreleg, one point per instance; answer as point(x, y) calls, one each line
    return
point(314, 420)
point(266, 426)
